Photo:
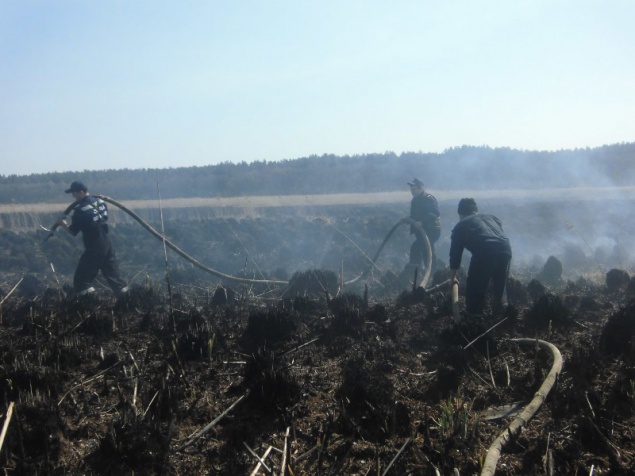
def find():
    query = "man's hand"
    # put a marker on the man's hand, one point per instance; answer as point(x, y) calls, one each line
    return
point(453, 277)
point(62, 222)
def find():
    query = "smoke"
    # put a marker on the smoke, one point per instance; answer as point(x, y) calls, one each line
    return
point(586, 229)
point(575, 205)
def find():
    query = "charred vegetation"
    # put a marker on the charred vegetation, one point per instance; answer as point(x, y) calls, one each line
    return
point(323, 377)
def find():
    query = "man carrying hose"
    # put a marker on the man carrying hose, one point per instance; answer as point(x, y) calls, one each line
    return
point(483, 236)
point(90, 217)
point(424, 218)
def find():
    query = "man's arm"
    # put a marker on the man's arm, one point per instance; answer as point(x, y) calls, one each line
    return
point(64, 224)
point(456, 252)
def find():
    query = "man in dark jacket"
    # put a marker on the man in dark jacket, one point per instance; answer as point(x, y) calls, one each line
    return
point(424, 217)
point(89, 218)
point(483, 236)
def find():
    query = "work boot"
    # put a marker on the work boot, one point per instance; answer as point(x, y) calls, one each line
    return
point(123, 296)
point(87, 297)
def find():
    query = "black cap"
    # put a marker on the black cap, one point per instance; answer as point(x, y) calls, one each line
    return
point(415, 182)
point(77, 187)
point(467, 206)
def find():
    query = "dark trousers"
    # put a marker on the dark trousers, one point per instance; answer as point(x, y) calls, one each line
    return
point(492, 269)
point(98, 256)
point(418, 251)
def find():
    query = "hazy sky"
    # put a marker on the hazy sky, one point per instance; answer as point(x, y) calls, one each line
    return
point(147, 83)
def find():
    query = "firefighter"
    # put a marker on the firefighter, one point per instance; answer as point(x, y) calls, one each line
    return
point(483, 236)
point(90, 218)
point(424, 218)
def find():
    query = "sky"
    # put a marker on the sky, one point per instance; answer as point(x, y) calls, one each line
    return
point(114, 84)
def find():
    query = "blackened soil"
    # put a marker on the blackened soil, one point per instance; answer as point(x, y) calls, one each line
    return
point(320, 382)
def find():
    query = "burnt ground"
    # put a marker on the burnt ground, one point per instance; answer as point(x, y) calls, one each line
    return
point(200, 380)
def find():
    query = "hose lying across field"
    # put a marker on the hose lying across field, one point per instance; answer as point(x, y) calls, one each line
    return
point(169, 244)
point(494, 451)
point(183, 254)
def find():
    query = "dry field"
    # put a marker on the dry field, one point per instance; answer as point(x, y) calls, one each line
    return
point(599, 193)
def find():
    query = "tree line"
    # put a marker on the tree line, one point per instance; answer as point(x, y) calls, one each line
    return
point(465, 167)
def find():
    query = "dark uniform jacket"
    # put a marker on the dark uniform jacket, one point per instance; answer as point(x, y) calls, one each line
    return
point(424, 208)
point(481, 235)
point(90, 217)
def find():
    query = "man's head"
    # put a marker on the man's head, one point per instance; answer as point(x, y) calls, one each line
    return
point(416, 186)
point(467, 206)
point(78, 189)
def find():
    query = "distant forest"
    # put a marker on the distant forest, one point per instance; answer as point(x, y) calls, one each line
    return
point(465, 167)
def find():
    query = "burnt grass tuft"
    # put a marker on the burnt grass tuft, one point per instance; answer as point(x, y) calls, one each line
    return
point(549, 310)
point(266, 329)
point(313, 282)
point(367, 399)
point(616, 279)
point(271, 386)
point(618, 336)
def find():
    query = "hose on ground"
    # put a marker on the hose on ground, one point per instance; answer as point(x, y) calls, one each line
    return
point(182, 253)
point(494, 451)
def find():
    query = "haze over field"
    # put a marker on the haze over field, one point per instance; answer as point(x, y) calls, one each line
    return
point(113, 85)
point(578, 194)
point(591, 225)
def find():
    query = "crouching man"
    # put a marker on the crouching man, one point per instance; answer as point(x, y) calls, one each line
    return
point(483, 236)
point(89, 218)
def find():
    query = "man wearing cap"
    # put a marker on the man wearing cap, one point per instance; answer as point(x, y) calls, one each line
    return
point(424, 218)
point(89, 218)
point(483, 236)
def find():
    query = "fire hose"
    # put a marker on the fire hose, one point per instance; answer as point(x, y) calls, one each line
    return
point(494, 451)
point(52, 230)
point(183, 254)
point(427, 250)
point(168, 243)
